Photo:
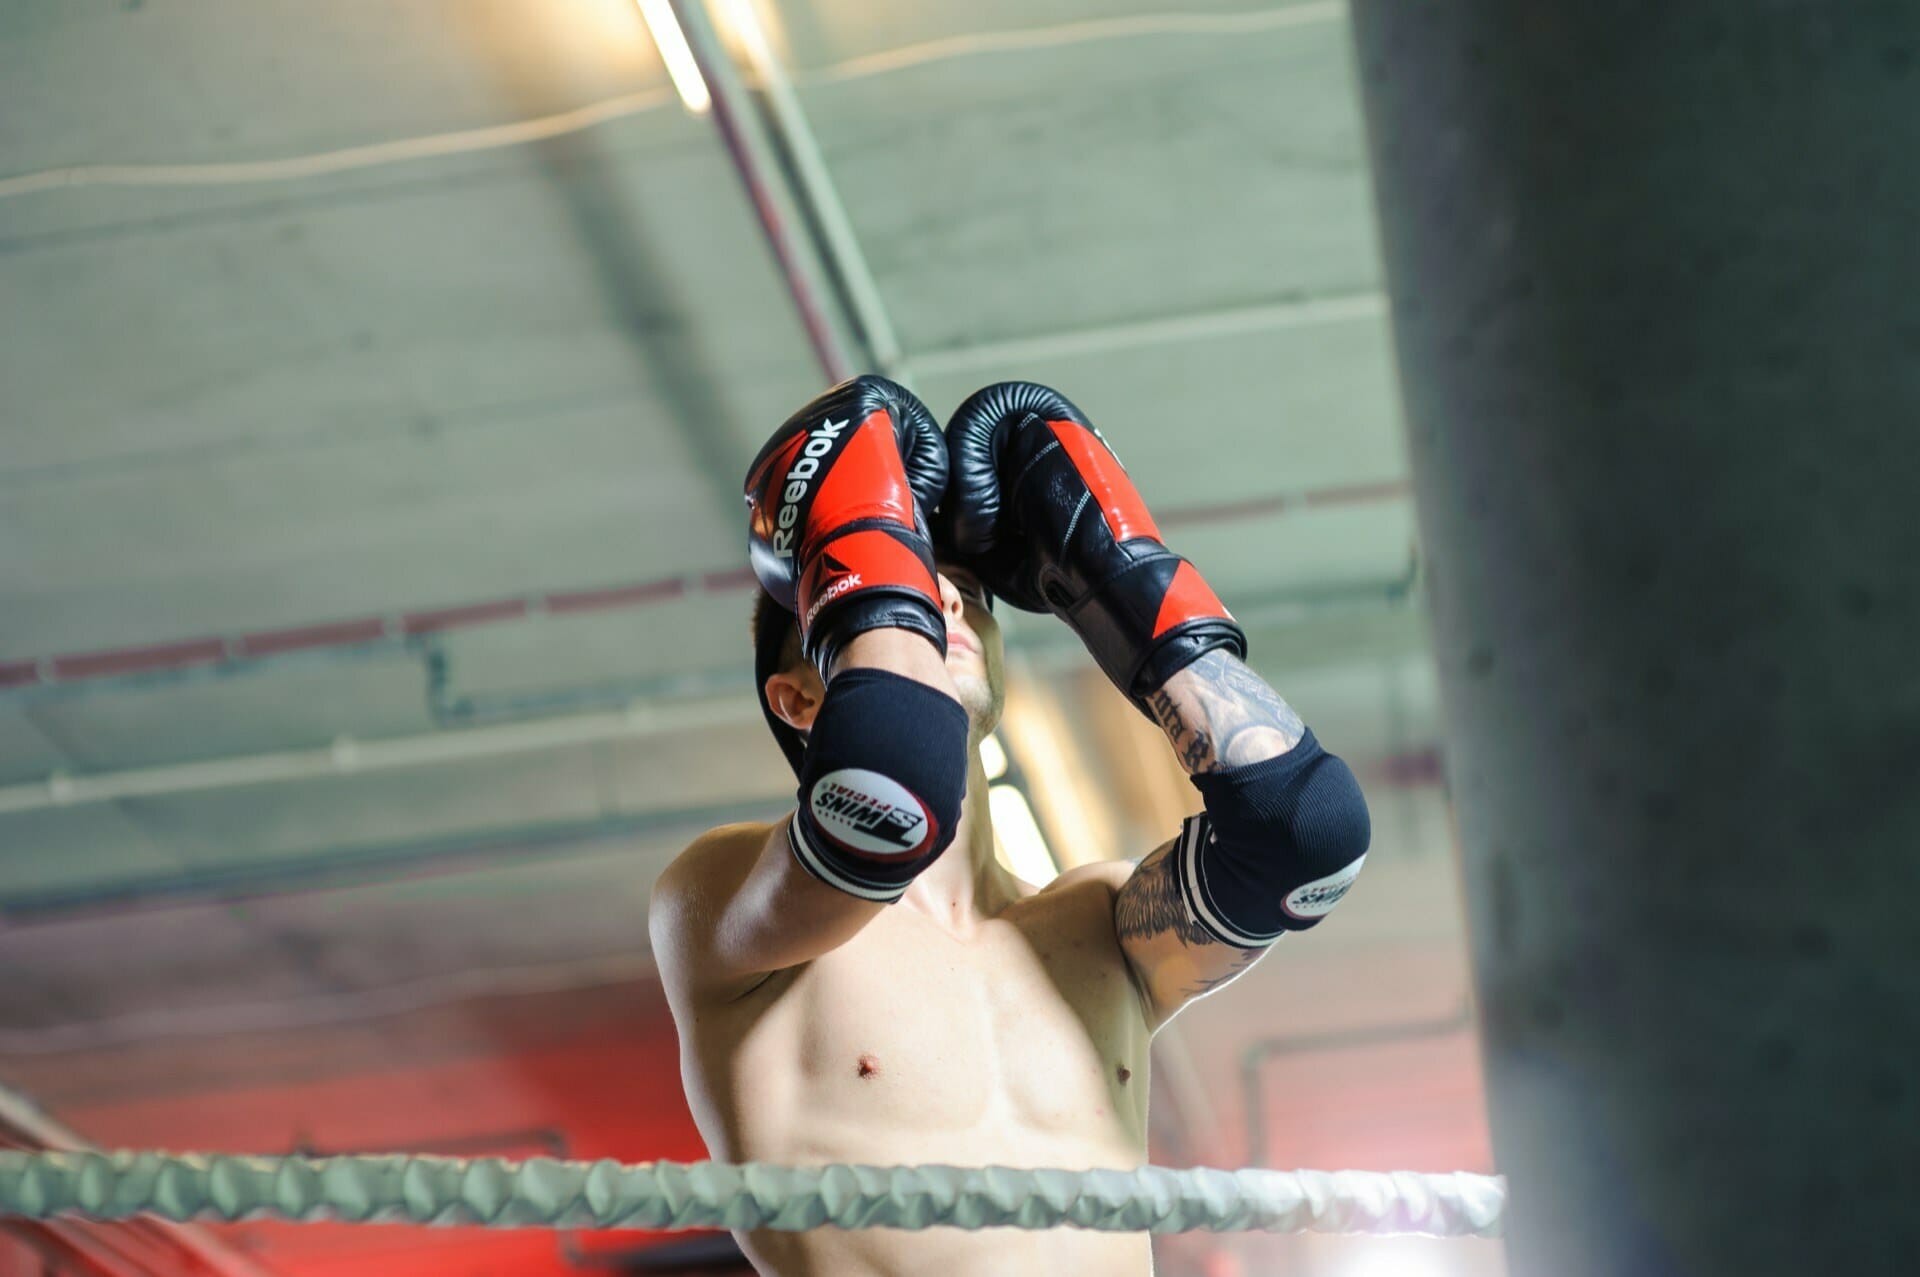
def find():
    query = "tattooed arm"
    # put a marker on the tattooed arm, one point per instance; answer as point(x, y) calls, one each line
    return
point(1217, 713)
point(1171, 959)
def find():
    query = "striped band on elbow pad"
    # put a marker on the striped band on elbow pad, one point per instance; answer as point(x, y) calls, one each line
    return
point(1279, 845)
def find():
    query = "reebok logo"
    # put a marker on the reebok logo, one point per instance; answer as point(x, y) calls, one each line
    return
point(835, 588)
point(820, 441)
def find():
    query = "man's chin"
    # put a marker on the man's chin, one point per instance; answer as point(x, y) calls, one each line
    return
point(977, 698)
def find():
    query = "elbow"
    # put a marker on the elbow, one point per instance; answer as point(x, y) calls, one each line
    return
point(1330, 820)
point(1280, 845)
point(1328, 834)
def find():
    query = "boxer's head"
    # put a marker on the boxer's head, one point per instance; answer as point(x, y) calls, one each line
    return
point(791, 690)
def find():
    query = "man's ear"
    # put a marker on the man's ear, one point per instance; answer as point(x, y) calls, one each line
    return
point(795, 696)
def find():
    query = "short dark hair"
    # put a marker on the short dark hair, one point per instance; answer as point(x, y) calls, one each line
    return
point(769, 619)
point(776, 649)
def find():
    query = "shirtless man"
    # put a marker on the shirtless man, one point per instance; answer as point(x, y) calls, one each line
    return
point(862, 981)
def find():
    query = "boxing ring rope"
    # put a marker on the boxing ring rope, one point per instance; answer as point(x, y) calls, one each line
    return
point(548, 1193)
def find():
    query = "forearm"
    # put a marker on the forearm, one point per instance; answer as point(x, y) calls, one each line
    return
point(1285, 827)
point(1217, 714)
point(901, 652)
point(885, 772)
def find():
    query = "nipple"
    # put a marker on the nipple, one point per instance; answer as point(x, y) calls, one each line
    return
point(868, 1067)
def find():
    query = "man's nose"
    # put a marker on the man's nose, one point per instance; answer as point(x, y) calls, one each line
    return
point(950, 599)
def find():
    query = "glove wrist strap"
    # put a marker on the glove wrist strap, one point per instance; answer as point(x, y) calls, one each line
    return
point(871, 576)
point(1150, 622)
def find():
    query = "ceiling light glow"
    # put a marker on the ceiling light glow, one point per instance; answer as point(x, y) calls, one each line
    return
point(1018, 834)
point(993, 757)
point(672, 43)
point(744, 23)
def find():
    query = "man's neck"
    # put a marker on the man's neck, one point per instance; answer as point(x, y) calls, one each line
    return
point(968, 882)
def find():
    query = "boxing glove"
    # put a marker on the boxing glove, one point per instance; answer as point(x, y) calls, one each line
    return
point(837, 506)
point(1044, 513)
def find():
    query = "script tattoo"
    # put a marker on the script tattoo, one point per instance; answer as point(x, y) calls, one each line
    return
point(1220, 714)
point(1149, 903)
point(1192, 744)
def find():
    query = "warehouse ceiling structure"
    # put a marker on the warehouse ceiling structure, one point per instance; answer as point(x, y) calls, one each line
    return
point(380, 384)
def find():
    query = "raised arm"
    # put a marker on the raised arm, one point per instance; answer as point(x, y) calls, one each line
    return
point(742, 901)
point(869, 713)
point(1052, 522)
point(1282, 838)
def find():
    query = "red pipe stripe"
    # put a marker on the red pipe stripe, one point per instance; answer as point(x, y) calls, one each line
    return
point(1358, 493)
point(1254, 508)
point(1414, 769)
point(133, 660)
point(733, 579)
point(331, 634)
point(453, 618)
point(618, 597)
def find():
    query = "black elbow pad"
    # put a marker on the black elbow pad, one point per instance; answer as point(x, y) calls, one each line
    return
point(881, 785)
point(1278, 846)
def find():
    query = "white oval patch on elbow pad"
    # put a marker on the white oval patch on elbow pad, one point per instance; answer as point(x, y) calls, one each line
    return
point(1317, 898)
point(871, 815)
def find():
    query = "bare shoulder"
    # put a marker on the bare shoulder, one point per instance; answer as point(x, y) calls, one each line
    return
point(1108, 874)
point(690, 890)
point(1088, 892)
point(717, 851)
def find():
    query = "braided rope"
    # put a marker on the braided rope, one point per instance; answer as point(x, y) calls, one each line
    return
point(547, 1193)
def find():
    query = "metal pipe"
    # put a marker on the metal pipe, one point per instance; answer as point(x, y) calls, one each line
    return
point(334, 867)
point(646, 715)
point(753, 161)
point(1210, 325)
point(843, 254)
point(347, 754)
point(451, 709)
point(143, 666)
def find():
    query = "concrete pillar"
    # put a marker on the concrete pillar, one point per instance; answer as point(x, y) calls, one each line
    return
point(1656, 281)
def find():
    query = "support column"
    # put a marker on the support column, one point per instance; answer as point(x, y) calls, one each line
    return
point(1656, 280)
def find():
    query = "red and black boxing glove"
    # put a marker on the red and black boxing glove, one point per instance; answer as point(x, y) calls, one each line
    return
point(1043, 511)
point(837, 516)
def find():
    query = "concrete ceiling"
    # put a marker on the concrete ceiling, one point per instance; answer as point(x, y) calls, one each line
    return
point(316, 312)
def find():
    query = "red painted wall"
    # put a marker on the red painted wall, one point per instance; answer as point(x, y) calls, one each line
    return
point(584, 1077)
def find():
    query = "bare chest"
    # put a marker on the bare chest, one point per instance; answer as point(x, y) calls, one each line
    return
point(1028, 1031)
